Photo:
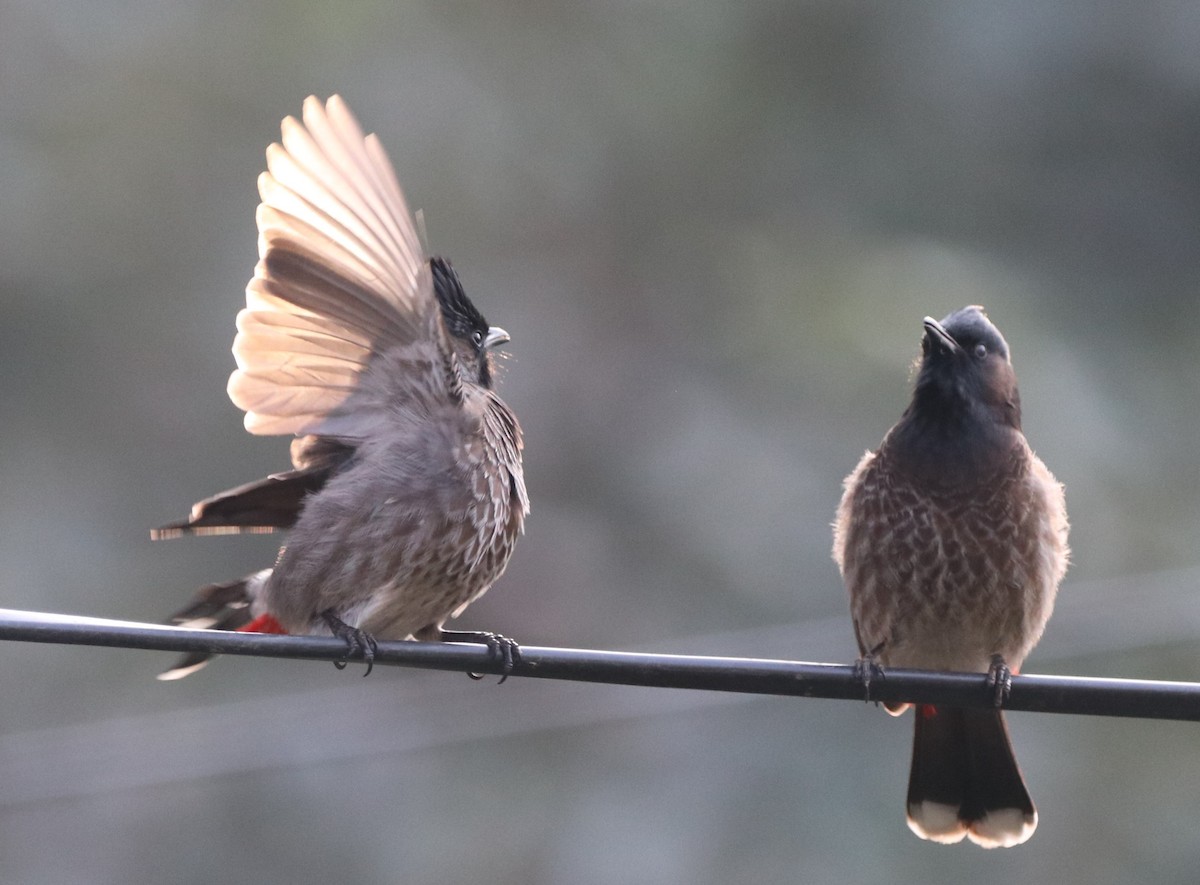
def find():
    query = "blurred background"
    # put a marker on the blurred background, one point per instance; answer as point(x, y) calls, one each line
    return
point(712, 230)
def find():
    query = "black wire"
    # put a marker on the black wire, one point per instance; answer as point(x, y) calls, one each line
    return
point(1044, 694)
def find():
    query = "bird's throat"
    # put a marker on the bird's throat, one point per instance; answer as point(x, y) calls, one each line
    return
point(950, 448)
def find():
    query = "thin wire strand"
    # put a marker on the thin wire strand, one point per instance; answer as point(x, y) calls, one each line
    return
point(1045, 694)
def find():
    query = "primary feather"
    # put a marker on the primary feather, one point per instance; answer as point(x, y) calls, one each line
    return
point(341, 278)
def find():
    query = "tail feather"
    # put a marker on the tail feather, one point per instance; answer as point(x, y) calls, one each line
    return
point(225, 606)
point(964, 780)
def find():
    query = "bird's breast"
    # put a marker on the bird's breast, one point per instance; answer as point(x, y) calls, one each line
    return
point(944, 576)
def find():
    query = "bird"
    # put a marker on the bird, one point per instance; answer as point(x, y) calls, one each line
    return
point(407, 492)
point(951, 539)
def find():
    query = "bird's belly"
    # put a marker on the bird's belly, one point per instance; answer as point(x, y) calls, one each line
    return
point(415, 599)
point(389, 566)
point(946, 589)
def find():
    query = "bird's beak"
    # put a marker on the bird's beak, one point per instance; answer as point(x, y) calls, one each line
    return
point(937, 333)
point(495, 337)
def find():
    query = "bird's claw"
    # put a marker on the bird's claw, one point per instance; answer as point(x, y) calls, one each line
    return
point(866, 669)
point(999, 681)
point(501, 649)
point(359, 643)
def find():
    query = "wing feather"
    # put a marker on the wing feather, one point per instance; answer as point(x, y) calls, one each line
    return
point(341, 279)
point(367, 167)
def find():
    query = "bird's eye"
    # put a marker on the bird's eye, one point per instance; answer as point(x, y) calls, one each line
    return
point(980, 351)
point(477, 337)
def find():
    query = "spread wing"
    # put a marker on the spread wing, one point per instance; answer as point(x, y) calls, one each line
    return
point(341, 279)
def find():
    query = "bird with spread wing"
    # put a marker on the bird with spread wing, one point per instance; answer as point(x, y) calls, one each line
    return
point(407, 491)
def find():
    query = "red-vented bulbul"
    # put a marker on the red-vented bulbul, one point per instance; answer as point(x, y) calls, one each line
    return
point(952, 540)
point(407, 493)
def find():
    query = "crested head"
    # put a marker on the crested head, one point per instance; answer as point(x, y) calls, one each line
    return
point(470, 333)
point(965, 374)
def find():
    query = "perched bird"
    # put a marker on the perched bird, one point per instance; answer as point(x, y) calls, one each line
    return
point(952, 540)
point(407, 492)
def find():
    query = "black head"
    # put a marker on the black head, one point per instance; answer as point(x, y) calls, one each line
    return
point(471, 335)
point(965, 372)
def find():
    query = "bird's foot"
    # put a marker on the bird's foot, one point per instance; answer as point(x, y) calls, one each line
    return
point(359, 643)
point(999, 681)
point(501, 649)
point(865, 670)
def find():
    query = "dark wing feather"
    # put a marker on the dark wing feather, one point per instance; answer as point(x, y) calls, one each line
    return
point(256, 507)
point(266, 505)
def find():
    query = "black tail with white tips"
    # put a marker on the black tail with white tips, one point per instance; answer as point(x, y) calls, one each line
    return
point(964, 780)
point(218, 607)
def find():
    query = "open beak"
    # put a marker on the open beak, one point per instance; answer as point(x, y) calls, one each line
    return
point(937, 334)
point(495, 337)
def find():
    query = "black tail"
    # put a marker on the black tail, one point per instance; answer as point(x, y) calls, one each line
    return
point(965, 781)
point(217, 607)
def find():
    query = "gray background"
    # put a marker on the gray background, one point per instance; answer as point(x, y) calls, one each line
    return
point(713, 231)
